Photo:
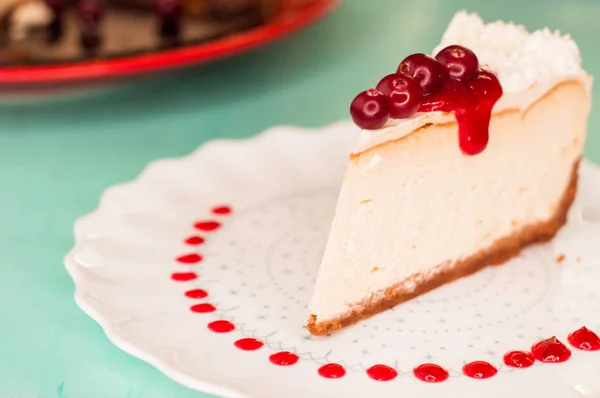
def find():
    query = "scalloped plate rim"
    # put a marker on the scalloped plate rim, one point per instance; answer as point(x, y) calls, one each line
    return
point(107, 325)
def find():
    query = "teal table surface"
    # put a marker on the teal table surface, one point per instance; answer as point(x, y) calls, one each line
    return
point(57, 155)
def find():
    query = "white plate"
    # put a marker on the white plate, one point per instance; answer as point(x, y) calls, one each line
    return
point(258, 268)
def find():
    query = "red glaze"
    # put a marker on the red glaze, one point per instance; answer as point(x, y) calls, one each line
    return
point(196, 294)
point(222, 210)
point(472, 104)
point(550, 351)
point(431, 373)
point(519, 359)
point(183, 276)
point(194, 240)
point(585, 339)
point(284, 358)
point(382, 373)
point(207, 226)
point(202, 308)
point(221, 326)
point(189, 258)
point(332, 371)
point(479, 370)
point(249, 344)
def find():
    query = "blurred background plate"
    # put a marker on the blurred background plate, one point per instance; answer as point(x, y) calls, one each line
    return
point(44, 73)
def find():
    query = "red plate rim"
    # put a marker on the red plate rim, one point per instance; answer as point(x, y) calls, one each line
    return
point(276, 29)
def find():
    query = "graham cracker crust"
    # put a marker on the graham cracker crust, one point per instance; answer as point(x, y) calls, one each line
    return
point(501, 251)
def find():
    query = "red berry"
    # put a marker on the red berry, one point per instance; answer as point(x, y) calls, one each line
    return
point(404, 95)
point(370, 109)
point(462, 64)
point(486, 86)
point(425, 70)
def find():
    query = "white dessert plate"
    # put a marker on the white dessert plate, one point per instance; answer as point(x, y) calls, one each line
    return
point(203, 267)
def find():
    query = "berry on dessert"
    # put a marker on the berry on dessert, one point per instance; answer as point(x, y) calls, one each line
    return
point(460, 62)
point(404, 95)
point(486, 86)
point(451, 82)
point(370, 109)
point(425, 69)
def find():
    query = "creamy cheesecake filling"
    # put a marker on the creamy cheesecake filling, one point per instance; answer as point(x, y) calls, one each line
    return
point(528, 66)
point(419, 203)
point(414, 208)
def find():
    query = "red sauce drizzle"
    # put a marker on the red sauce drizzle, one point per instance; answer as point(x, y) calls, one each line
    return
point(202, 308)
point(207, 226)
point(472, 104)
point(196, 293)
point(551, 351)
point(249, 344)
point(431, 373)
point(519, 359)
point(189, 258)
point(183, 276)
point(332, 371)
point(382, 373)
point(221, 326)
point(479, 370)
point(284, 358)
point(221, 210)
point(194, 240)
point(585, 339)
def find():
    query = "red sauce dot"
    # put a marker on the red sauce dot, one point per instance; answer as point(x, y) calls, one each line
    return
point(519, 359)
point(585, 339)
point(194, 240)
point(249, 344)
point(284, 358)
point(202, 308)
point(430, 373)
point(479, 370)
point(183, 276)
point(221, 326)
point(196, 293)
point(551, 351)
point(189, 258)
point(382, 373)
point(221, 210)
point(207, 226)
point(332, 371)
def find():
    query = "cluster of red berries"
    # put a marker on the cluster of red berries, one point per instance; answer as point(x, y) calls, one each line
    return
point(400, 95)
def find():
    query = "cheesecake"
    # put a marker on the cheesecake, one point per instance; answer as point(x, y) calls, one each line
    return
point(464, 157)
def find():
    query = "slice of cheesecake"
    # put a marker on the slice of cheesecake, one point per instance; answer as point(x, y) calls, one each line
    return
point(468, 180)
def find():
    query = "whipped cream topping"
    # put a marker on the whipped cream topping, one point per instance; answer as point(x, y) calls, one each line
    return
point(520, 59)
point(528, 65)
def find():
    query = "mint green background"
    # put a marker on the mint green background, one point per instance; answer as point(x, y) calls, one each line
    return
point(58, 155)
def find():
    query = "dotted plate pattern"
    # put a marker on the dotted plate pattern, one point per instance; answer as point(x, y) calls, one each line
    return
point(214, 255)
